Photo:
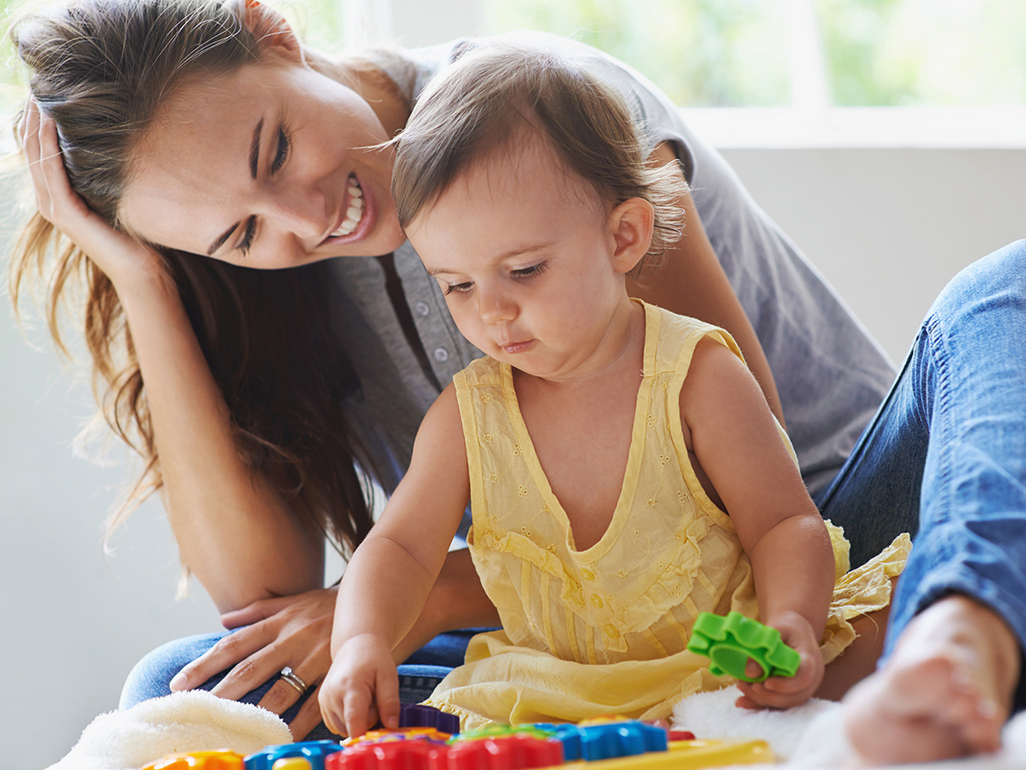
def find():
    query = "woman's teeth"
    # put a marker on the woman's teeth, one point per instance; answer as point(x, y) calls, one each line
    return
point(355, 211)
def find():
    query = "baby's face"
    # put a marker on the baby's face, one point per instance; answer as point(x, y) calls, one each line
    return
point(524, 253)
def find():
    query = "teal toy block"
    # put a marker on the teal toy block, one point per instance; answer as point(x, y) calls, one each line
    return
point(730, 641)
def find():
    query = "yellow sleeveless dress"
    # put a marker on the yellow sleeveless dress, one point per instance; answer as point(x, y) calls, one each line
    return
point(605, 630)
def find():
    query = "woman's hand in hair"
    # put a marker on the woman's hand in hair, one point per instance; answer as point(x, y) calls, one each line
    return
point(122, 258)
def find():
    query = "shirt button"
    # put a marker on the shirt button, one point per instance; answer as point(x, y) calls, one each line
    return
point(441, 355)
point(422, 308)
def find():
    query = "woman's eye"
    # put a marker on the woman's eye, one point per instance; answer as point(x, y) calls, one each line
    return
point(459, 288)
point(282, 153)
point(528, 272)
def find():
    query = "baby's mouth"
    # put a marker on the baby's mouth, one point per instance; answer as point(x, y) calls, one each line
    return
point(355, 211)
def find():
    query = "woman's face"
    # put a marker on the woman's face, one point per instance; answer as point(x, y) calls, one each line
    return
point(270, 166)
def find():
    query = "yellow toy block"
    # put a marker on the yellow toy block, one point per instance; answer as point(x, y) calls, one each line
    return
point(291, 763)
point(686, 755)
point(199, 760)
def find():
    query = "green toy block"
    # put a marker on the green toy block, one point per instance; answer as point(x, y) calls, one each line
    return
point(730, 641)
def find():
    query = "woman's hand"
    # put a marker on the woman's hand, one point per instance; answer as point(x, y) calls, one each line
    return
point(119, 256)
point(293, 631)
point(780, 692)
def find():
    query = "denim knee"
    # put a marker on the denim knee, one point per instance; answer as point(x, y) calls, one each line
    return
point(151, 676)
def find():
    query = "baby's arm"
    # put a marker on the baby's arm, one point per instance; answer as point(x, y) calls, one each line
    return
point(390, 575)
point(739, 449)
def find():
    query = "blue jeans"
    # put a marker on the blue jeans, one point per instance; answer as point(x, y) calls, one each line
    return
point(945, 456)
point(150, 677)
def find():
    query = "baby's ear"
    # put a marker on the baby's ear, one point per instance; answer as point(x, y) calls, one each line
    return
point(270, 28)
point(631, 223)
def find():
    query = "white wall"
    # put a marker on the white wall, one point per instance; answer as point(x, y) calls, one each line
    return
point(74, 622)
point(887, 227)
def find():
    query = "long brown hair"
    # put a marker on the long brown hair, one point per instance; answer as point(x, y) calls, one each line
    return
point(101, 69)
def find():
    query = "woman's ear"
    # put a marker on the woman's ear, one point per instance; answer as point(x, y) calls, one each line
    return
point(631, 223)
point(270, 28)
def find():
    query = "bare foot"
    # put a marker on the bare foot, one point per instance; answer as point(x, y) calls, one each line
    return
point(945, 692)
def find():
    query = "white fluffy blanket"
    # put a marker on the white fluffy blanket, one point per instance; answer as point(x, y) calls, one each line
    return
point(811, 737)
point(805, 738)
point(184, 721)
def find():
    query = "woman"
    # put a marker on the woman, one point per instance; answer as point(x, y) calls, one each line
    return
point(179, 143)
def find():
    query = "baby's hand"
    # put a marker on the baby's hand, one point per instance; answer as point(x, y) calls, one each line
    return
point(361, 688)
point(781, 692)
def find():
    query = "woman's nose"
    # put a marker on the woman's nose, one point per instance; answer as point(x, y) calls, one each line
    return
point(304, 214)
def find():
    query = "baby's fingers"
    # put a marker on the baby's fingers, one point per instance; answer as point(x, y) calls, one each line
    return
point(387, 696)
point(753, 670)
point(358, 713)
point(775, 693)
point(331, 717)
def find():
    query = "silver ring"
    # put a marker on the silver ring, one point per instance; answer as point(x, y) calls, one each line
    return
point(293, 679)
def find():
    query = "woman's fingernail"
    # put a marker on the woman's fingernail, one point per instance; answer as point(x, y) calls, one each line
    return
point(178, 682)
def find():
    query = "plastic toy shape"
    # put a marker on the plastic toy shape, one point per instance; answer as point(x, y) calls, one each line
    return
point(730, 641)
point(539, 730)
point(518, 751)
point(396, 755)
point(199, 760)
point(609, 739)
point(416, 715)
point(674, 736)
point(292, 763)
point(401, 734)
point(314, 752)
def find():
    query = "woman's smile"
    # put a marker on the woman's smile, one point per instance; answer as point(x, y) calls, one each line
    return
point(353, 214)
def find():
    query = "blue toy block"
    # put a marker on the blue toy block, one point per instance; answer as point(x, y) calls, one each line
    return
point(313, 752)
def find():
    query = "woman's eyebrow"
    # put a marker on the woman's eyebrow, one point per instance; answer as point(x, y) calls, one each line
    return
point(219, 241)
point(254, 160)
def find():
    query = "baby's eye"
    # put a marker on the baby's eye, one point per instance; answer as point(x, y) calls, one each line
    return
point(528, 272)
point(459, 288)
